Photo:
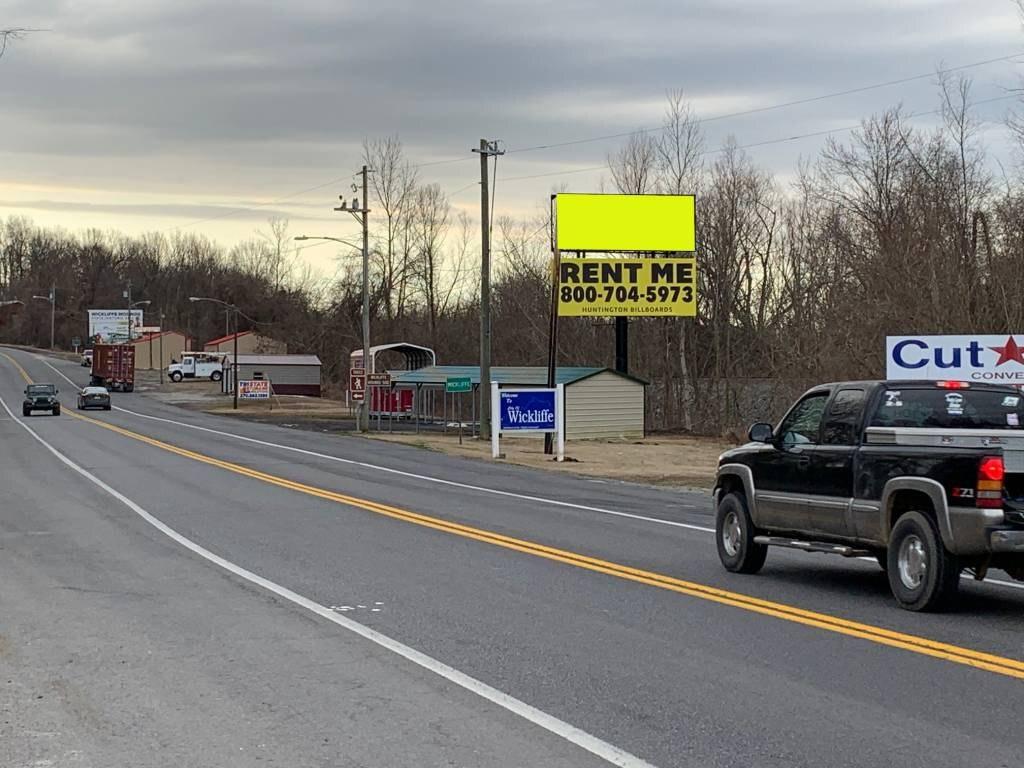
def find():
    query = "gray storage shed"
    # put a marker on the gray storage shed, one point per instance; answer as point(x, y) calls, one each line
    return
point(599, 402)
point(288, 374)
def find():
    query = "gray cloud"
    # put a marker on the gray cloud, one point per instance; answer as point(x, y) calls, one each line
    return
point(267, 96)
point(196, 211)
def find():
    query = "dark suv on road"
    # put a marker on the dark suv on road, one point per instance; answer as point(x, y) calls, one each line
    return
point(40, 397)
point(925, 476)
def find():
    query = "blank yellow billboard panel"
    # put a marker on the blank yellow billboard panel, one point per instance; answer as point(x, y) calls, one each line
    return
point(627, 287)
point(613, 223)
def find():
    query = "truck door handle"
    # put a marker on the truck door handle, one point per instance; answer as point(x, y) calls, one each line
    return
point(803, 462)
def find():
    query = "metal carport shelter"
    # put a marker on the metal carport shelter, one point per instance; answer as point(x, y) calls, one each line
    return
point(600, 402)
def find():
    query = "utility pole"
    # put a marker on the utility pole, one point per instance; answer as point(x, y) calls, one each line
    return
point(486, 150)
point(361, 214)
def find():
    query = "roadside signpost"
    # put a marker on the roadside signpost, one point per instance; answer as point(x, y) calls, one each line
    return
point(456, 385)
point(528, 410)
point(76, 342)
point(379, 384)
point(357, 383)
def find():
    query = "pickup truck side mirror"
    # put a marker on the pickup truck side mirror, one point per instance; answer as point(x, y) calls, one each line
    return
point(761, 433)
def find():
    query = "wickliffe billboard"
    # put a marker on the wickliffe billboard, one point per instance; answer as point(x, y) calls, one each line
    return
point(110, 326)
point(997, 359)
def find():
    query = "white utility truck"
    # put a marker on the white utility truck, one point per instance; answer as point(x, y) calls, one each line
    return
point(198, 365)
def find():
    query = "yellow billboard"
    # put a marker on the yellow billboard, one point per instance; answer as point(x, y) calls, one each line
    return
point(627, 287)
point(623, 223)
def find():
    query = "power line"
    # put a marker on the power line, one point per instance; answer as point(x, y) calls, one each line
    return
point(768, 108)
point(756, 110)
point(754, 144)
point(233, 211)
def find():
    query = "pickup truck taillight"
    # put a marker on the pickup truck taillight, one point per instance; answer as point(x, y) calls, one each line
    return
point(989, 492)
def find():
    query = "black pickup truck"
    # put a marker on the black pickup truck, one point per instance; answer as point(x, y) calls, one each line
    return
point(926, 476)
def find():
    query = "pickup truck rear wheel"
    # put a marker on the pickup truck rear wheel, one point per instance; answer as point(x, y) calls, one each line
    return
point(734, 533)
point(923, 574)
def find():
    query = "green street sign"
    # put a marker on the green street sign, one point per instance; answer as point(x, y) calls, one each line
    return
point(458, 384)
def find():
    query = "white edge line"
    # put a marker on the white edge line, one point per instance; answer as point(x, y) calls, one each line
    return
point(550, 723)
point(378, 468)
point(440, 481)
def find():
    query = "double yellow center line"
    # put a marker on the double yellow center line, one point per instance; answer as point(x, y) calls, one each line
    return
point(915, 644)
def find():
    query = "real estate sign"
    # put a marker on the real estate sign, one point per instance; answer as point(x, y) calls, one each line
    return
point(254, 389)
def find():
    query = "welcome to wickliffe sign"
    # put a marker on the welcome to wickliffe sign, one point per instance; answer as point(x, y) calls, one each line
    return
point(526, 411)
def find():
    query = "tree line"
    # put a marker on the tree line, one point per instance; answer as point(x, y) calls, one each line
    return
point(893, 229)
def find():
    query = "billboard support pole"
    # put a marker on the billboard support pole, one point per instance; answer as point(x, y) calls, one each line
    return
point(560, 420)
point(556, 261)
point(622, 344)
point(496, 431)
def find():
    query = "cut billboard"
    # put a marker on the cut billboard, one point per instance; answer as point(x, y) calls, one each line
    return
point(111, 326)
point(998, 359)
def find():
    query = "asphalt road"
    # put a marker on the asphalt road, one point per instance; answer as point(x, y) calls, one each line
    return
point(588, 616)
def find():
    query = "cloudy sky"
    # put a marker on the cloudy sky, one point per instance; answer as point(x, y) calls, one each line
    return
point(210, 115)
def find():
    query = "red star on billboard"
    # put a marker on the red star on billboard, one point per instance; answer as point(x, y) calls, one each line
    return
point(1009, 352)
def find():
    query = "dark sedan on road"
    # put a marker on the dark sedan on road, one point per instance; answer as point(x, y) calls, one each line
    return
point(94, 397)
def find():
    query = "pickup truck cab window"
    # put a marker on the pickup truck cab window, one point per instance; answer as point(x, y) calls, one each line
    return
point(843, 418)
point(937, 408)
point(803, 424)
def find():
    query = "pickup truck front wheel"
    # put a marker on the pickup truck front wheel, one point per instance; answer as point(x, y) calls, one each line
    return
point(923, 575)
point(734, 532)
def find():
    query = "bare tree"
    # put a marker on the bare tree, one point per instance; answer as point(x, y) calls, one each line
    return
point(430, 223)
point(394, 183)
point(679, 168)
point(279, 249)
point(634, 166)
point(679, 148)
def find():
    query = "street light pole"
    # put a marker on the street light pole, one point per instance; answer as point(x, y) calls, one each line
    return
point(53, 310)
point(128, 295)
point(161, 349)
point(364, 420)
point(52, 298)
point(234, 363)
